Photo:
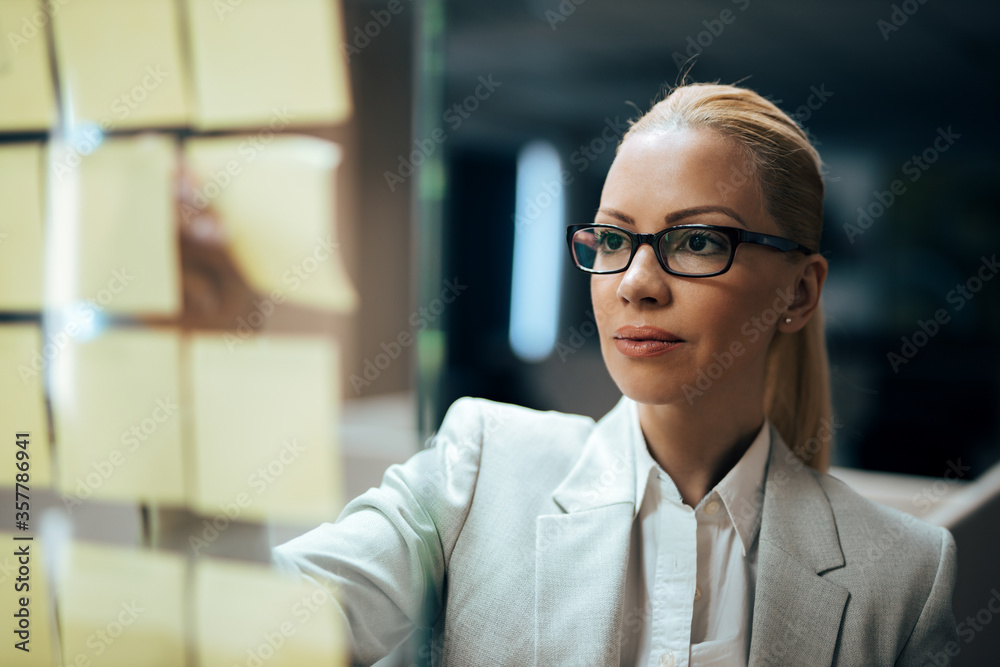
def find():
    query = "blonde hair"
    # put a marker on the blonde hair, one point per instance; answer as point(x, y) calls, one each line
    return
point(786, 170)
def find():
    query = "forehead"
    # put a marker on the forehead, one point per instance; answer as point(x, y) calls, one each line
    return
point(658, 173)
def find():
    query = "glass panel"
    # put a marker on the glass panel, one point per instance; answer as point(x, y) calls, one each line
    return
point(696, 251)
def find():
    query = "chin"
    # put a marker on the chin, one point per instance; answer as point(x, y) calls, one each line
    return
point(650, 387)
point(653, 395)
point(644, 381)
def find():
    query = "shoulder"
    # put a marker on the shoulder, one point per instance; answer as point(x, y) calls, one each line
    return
point(478, 421)
point(512, 443)
point(862, 520)
point(900, 551)
point(900, 571)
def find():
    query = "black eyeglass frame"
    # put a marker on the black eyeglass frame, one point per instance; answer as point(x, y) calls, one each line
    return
point(736, 237)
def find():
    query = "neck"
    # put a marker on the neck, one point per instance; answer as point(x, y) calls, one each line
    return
point(697, 445)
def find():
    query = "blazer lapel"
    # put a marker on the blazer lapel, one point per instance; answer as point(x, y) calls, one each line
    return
point(581, 555)
point(797, 613)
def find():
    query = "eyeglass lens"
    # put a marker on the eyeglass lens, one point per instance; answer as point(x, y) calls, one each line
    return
point(689, 251)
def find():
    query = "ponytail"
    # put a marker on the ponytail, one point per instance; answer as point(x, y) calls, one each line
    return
point(797, 392)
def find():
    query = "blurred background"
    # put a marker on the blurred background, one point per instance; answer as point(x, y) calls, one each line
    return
point(874, 96)
point(428, 156)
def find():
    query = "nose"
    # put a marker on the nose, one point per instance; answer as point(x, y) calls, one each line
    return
point(645, 281)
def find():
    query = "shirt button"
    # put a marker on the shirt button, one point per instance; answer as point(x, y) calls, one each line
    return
point(667, 659)
point(697, 592)
point(712, 507)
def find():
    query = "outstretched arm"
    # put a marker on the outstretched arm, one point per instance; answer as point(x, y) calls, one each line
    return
point(386, 557)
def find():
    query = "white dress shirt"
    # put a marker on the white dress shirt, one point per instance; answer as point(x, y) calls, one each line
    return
point(690, 587)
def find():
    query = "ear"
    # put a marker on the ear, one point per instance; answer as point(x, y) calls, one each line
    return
point(808, 288)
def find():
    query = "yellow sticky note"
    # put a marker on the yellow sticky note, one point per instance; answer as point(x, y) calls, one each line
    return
point(26, 605)
point(276, 203)
point(122, 607)
point(22, 404)
point(24, 67)
point(268, 64)
point(116, 409)
point(116, 220)
point(264, 436)
point(248, 615)
point(120, 63)
point(21, 246)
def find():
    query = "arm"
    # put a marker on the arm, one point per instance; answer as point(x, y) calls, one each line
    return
point(386, 557)
point(935, 633)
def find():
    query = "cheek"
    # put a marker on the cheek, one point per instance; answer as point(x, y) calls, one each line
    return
point(747, 322)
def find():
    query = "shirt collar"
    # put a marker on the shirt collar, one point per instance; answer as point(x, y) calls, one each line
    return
point(741, 490)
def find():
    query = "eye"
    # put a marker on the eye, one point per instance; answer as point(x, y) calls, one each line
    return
point(609, 240)
point(700, 242)
point(697, 242)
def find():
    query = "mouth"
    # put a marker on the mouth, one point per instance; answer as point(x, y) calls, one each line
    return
point(645, 341)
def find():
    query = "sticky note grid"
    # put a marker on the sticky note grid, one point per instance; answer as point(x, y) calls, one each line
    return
point(127, 408)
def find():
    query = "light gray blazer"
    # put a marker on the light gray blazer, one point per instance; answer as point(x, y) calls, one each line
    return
point(507, 543)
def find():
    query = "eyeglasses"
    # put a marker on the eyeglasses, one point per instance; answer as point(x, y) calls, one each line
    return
point(683, 250)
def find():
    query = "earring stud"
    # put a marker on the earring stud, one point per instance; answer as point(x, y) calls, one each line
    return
point(788, 320)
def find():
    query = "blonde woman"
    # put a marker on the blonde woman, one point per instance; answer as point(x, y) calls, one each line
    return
point(693, 524)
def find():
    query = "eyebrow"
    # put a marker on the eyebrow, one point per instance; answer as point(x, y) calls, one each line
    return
point(678, 215)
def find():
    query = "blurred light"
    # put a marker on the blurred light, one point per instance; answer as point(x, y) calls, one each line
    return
point(539, 223)
point(60, 273)
point(85, 138)
point(62, 209)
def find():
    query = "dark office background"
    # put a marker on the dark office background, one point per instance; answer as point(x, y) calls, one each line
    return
point(884, 79)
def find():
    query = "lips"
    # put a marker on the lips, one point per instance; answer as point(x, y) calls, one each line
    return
point(645, 341)
point(646, 332)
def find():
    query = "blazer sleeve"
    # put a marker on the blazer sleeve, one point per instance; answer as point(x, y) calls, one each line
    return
point(935, 633)
point(385, 558)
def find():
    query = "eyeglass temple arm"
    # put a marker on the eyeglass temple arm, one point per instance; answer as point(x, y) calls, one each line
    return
point(785, 245)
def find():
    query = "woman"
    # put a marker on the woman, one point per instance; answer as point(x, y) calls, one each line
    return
point(680, 529)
